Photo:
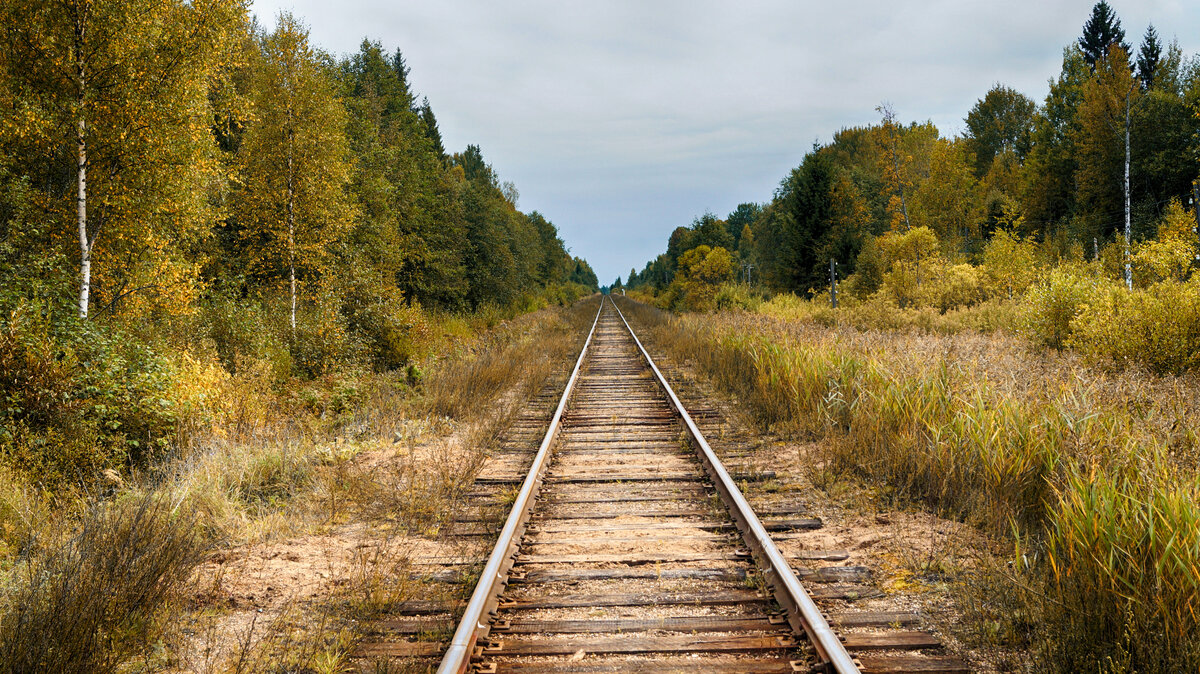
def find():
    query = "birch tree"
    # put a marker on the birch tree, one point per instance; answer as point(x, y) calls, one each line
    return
point(294, 167)
point(1109, 98)
point(106, 117)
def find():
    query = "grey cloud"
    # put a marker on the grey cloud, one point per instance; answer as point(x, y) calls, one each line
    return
point(622, 120)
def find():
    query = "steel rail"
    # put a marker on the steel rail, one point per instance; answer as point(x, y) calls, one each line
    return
point(474, 624)
point(802, 612)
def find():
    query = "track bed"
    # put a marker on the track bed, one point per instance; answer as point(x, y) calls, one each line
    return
point(626, 552)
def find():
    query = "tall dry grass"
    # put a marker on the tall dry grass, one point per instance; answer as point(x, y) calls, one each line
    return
point(89, 602)
point(1091, 473)
point(91, 577)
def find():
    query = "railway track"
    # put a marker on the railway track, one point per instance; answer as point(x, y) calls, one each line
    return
point(630, 547)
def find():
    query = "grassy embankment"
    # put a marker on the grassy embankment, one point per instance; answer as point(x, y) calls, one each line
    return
point(98, 557)
point(1089, 472)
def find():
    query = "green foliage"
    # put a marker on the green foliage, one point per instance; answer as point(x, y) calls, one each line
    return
point(737, 296)
point(1101, 33)
point(1158, 327)
point(1002, 121)
point(1053, 305)
point(702, 271)
point(1010, 263)
point(78, 399)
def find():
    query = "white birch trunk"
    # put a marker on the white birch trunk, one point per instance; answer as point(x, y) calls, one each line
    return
point(81, 165)
point(1128, 226)
point(85, 245)
point(291, 221)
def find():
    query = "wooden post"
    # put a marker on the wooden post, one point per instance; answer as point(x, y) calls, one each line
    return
point(1196, 210)
point(833, 282)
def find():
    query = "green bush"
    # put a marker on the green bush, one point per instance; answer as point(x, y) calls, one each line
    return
point(954, 287)
point(736, 296)
point(238, 329)
point(76, 398)
point(1051, 306)
point(1158, 327)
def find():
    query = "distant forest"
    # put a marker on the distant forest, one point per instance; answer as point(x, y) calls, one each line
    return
point(161, 160)
point(1053, 174)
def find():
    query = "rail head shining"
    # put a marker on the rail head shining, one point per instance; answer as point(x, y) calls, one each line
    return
point(791, 595)
point(475, 622)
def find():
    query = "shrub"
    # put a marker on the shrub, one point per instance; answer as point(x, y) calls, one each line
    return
point(1158, 327)
point(392, 331)
point(322, 342)
point(1052, 306)
point(702, 271)
point(1010, 263)
point(92, 602)
point(869, 269)
point(77, 398)
point(953, 287)
point(736, 296)
point(788, 307)
point(1170, 255)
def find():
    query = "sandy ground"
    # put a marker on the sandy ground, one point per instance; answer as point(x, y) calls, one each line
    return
point(245, 593)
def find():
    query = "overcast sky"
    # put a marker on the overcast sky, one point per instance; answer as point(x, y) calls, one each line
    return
point(621, 120)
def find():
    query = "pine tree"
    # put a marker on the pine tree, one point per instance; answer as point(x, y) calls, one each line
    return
point(1101, 32)
point(1048, 191)
point(431, 128)
point(407, 231)
point(1149, 57)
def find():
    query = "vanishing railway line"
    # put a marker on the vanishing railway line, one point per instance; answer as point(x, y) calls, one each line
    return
point(630, 547)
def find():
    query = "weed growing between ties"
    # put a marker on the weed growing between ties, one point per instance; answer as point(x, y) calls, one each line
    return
point(1080, 467)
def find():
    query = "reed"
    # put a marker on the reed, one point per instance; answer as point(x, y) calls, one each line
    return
point(1079, 467)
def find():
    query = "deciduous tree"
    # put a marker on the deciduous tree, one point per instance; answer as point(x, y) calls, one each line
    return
point(1002, 121)
point(108, 108)
point(292, 205)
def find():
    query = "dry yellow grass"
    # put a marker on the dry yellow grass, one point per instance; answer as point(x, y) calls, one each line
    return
point(1090, 473)
point(258, 465)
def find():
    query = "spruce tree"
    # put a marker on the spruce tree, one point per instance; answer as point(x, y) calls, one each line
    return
point(1149, 56)
point(1102, 31)
point(431, 128)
